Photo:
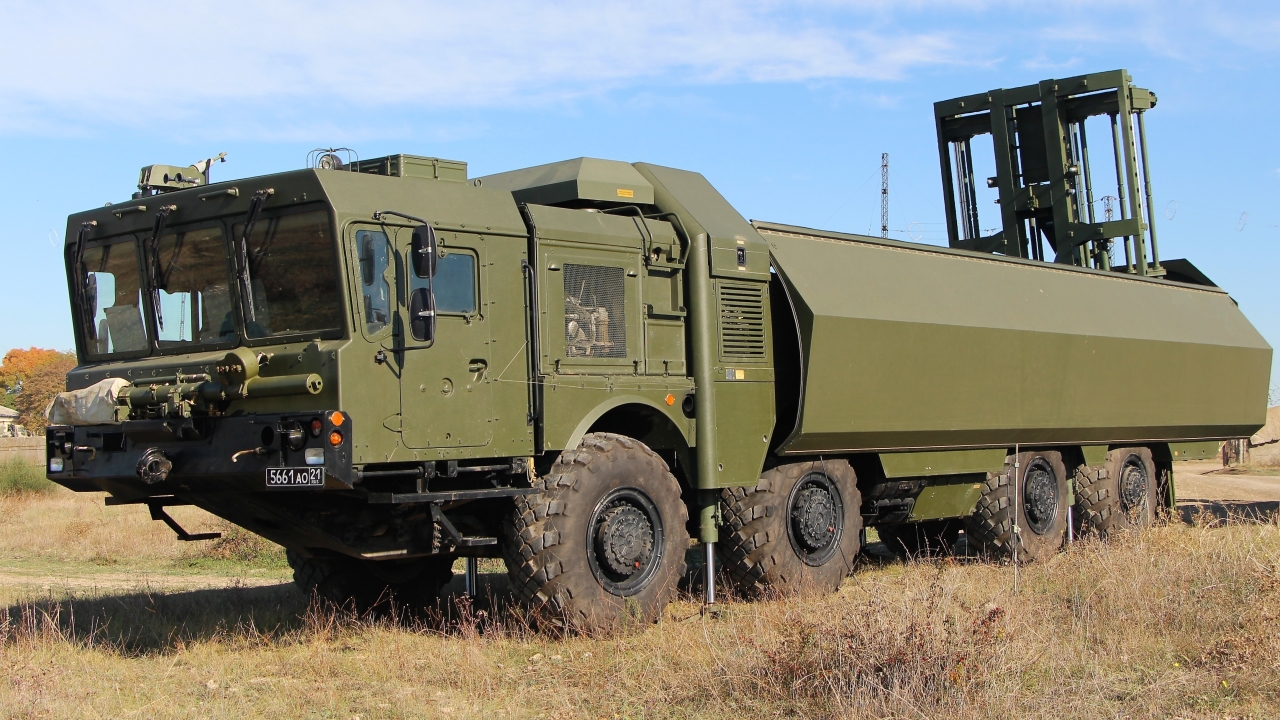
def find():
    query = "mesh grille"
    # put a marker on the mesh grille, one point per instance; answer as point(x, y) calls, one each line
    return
point(595, 324)
point(741, 321)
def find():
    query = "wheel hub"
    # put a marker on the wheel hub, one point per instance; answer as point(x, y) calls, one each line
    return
point(815, 519)
point(624, 540)
point(1040, 497)
point(1133, 485)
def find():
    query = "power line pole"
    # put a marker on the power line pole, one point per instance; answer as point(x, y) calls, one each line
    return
point(884, 195)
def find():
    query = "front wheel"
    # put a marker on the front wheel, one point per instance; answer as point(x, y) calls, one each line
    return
point(799, 527)
point(604, 540)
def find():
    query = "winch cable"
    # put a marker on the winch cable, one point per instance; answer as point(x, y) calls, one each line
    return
point(242, 252)
point(154, 274)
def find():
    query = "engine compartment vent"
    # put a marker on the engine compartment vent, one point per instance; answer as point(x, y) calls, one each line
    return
point(742, 334)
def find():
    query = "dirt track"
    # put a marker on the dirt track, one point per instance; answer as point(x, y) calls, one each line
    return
point(1198, 480)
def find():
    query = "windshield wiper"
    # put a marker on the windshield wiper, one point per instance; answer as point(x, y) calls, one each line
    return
point(154, 274)
point(242, 252)
point(82, 277)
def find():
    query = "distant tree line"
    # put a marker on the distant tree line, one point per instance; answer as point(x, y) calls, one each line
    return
point(28, 381)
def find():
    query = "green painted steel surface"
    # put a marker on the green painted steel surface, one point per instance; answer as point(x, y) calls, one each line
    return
point(1094, 455)
point(947, 498)
point(580, 257)
point(935, 463)
point(728, 290)
point(1206, 450)
point(908, 346)
point(580, 179)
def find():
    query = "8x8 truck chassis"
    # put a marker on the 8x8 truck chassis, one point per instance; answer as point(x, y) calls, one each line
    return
point(582, 367)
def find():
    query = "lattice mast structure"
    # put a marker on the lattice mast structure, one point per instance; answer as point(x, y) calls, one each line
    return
point(884, 195)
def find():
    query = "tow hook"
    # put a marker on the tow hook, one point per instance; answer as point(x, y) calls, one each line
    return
point(153, 466)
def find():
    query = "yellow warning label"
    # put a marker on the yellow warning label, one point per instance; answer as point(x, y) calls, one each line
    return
point(739, 374)
point(623, 192)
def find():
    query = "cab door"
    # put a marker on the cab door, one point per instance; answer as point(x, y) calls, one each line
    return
point(446, 399)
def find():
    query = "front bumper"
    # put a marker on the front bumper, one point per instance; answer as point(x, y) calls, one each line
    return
point(213, 454)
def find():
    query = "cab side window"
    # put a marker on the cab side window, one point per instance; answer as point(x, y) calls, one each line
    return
point(455, 284)
point(375, 255)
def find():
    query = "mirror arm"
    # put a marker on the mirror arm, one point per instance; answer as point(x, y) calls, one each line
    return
point(377, 216)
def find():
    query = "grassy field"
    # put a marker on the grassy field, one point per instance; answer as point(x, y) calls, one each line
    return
point(109, 616)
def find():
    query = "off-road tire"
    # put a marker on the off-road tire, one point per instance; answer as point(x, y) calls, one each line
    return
point(756, 549)
point(551, 542)
point(990, 528)
point(359, 584)
point(1101, 504)
point(920, 539)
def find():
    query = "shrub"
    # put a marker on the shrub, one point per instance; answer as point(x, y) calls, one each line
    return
point(23, 477)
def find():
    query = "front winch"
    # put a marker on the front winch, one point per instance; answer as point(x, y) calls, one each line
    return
point(153, 466)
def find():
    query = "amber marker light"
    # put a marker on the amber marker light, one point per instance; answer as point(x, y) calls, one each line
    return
point(335, 438)
point(671, 399)
point(337, 418)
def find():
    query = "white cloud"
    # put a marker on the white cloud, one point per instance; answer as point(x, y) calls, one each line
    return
point(263, 68)
point(129, 64)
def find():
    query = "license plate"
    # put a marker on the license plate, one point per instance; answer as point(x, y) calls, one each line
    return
point(295, 477)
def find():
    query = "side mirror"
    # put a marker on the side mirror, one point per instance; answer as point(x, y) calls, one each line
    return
point(422, 314)
point(424, 251)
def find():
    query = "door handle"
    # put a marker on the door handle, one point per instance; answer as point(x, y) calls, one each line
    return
point(478, 367)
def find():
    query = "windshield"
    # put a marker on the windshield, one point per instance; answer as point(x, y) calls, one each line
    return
point(293, 275)
point(194, 280)
point(113, 293)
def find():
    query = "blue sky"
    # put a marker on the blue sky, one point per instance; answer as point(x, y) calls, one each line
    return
point(785, 107)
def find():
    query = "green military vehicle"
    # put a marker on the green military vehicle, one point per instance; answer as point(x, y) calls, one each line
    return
point(384, 365)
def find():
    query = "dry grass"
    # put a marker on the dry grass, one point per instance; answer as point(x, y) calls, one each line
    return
point(1178, 621)
point(55, 524)
point(20, 477)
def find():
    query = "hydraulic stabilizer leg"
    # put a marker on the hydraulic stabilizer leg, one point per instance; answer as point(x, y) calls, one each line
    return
point(711, 572)
point(471, 577)
point(709, 534)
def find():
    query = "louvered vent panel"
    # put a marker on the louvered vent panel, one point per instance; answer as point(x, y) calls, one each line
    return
point(595, 323)
point(741, 321)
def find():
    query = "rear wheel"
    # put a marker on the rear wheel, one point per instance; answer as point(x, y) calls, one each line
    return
point(798, 527)
point(1038, 503)
point(1122, 496)
point(920, 539)
point(368, 585)
point(604, 540)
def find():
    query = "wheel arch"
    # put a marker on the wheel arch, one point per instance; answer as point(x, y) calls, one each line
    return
point(636, 417)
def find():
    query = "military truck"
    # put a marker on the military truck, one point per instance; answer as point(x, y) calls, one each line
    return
point(588, 367)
